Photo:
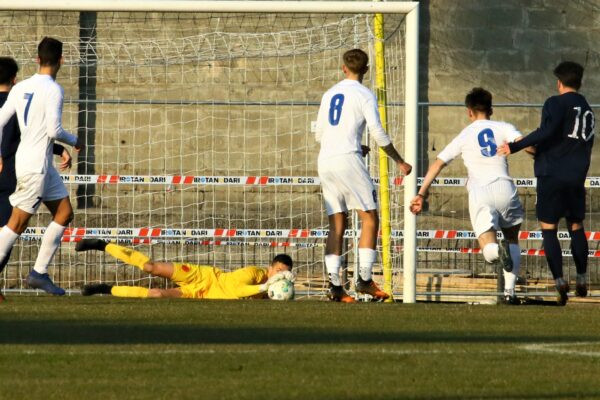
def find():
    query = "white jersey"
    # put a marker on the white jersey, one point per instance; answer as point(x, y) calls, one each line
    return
point(38, 103)
point(478, 144)
point(345, 110)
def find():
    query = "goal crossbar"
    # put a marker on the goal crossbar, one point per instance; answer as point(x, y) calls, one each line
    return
point(403, 7)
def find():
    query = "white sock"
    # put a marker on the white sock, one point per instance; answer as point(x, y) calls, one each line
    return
point(366, 259)
point(332, 263)
point(50, 242)
point(490, 252)
point(510, 278)
point(515, 256)
point(7, 238)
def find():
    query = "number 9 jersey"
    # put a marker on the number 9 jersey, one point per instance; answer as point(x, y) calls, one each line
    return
point(478, 144)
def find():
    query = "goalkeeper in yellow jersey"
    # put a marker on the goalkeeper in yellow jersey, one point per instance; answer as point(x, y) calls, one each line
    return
point(194, 281)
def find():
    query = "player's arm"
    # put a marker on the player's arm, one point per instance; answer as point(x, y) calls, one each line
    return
point(249, 282)
point(551, 123)
point(416, 204)
point(54, 127)
point(381, 138)
point(321, 121)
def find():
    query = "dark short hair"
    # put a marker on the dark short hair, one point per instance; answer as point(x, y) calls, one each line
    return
point(356, 61)
point(569, 73)
point(480, 100)
point(8, 70)
point(284, 259)
point(50, 51)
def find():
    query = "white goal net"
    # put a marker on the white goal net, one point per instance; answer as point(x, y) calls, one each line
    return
point(199, 129)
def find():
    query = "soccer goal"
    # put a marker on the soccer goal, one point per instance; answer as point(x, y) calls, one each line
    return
point(198, 117)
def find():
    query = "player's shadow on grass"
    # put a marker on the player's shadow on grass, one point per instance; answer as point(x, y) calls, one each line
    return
point(92, 332)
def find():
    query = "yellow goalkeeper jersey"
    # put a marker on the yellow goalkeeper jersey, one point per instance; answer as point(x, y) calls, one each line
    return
point(206, 282)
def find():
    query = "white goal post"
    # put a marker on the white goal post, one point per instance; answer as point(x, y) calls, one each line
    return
point(410, 73)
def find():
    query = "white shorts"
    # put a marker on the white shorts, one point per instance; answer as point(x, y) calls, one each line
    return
point(495, 206)
point(346, 184)
point(33, 189)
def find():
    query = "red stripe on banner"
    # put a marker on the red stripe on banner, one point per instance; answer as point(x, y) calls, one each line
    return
point(189, 179)
point(219, 232)
point(398, 180)
point(231, 232)
point(114, 178)
point(305, 233)
point(523, 235)
point(451, 234)
point(101, 178)
point(264, 180)
point(176, 179)
point(250, 180)
point(439, 234)
point(144, 231)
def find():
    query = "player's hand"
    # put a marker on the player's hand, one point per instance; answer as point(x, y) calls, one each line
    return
point(1, 164)
point(280, 276)
point(503, 150)
point(66, 160)
point(405, 168)
point(79, 145)
point(416, 205)
point(365, 150)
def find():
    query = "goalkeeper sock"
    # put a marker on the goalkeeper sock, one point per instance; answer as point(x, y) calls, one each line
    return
point(127, 255)
point(50, 243)
point(129, 291)
point(332, 263)
point(366, 259)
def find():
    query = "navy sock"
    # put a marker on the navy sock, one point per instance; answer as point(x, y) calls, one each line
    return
point(579, 249)
point(553, 252)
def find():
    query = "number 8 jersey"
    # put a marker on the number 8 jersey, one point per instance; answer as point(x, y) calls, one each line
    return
point(478, 144)
point(345, 110)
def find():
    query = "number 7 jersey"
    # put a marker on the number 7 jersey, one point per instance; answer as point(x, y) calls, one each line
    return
point(38, 103)
point(345, 110)
point(478, 144)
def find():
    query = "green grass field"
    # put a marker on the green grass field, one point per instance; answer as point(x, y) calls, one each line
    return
point(107, 348)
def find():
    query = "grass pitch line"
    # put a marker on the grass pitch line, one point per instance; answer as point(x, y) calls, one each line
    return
point(393, 352)
point(563, 348)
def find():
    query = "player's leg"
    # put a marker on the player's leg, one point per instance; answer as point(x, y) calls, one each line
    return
point(367, 254)
point(128, 256)
point(62, 214)
point(333, 246)
point(484, 219)
point(56, 198)
point(10, 232)
point(550, 207)
point(511, 236)
point(5, 212)
point(333, 256)
point(579, 251)
point(129, 291)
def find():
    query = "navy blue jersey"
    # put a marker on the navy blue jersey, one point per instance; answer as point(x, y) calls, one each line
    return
point(564, 140)
point(10, 143)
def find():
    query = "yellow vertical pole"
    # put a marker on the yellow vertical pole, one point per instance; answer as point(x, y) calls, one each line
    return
point(384, 180)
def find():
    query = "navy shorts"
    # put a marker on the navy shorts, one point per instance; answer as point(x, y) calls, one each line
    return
point(557, 199)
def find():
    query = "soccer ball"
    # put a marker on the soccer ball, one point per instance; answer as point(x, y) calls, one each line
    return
point(281, 290)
